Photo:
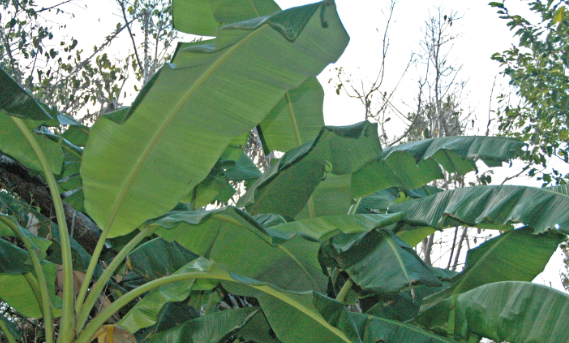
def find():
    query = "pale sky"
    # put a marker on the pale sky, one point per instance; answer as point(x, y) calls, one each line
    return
point(481, 34)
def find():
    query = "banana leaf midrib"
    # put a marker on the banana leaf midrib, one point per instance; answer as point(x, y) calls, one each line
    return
point(389, 241)
point(168, 120)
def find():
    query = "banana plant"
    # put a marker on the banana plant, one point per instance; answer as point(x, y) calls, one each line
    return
point(320, 246)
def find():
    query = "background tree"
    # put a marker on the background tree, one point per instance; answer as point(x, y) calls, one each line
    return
point(537, 68)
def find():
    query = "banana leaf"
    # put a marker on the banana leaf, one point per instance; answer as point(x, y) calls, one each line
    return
point(315, 317)
point(76, 133)
point(257, 329)
point(286, 187)
point(516, 312)
point(296, 119)
point(234, 239)
point(494, 207)
point(202, 17)
point(413, 162)
point(412, 165)
point(173, 314)
point(516, 255)
point(324, 228)
point(127, 181)
point(377, 261)
point(16, 292)
point(233, 165)
point(215, 327)
point(158, 258)
point(16, 101)
point(14, 260)
point(319, 319)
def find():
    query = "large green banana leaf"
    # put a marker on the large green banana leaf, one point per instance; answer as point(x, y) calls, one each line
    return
point(319, 319)
point(516, 312)
point(406, 304)
point(215, 327)
point(202, 17)
point(563, 189)
point(15, 101)
point(332, 196)
point(324, 228)
point(146, 312)
point(13, 259)
point(497, 207)
point(414, 164)
point(315, 317)
point(257, 329)
point(158, 258)
point(188, 113)
point(16, 292)
point(286, 187)
point(232, 238)
point(173, 314)
point(377, 261)
point(516, 255)
point(296, 119)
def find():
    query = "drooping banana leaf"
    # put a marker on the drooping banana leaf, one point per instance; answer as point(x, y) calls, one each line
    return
point(377, 261)
point(235, 80)
point(406, 304)
point(202, 17)
point(13, 259)
point(76, 133)
point(324, 228)
point(145, 313)
point(233, 165)
point(497, 207)
point(243, 170)
point(296, 119)
point(16, 101)
point(417, 163)
point(232, 238)
point(158, 258)
point(286, 187)
point(516, 312)
point(173, 314)
point(315, 317)
point(215, 327)
point(412, 165)
point(319, 319)
point(414, 235)
point(331, 197)
point(16, 292)
point(257, 329)
point(516, 255)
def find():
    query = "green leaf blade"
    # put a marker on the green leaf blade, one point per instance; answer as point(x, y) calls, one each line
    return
point(128, 181)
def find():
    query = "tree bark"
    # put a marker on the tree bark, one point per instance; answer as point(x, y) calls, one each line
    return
point(17, 180)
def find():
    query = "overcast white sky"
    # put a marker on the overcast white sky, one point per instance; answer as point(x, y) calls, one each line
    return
point(481, 33)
